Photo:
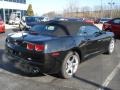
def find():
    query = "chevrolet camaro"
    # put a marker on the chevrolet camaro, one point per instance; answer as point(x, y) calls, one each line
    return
point(57, 46)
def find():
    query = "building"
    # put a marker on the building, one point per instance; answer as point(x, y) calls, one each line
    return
point(7, 7)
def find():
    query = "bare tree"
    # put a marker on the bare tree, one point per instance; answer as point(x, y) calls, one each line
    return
point(72, 10)
point(86, 12)
point(50, 14)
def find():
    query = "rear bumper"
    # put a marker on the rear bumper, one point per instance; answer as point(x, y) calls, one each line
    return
point(45, 62)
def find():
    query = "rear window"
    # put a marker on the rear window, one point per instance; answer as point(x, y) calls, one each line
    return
point(116, 21)
point(105, 19)
point(32, 19)
point(53, 30)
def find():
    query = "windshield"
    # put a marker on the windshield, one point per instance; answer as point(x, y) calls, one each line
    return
point(52, 30)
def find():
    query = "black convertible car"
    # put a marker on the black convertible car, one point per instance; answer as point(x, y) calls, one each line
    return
point(57, 46)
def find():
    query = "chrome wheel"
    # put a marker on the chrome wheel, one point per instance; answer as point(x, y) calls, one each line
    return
point(111, 46)
point(72, 64)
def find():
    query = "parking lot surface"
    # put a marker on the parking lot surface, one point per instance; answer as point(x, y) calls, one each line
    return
point(100, 72)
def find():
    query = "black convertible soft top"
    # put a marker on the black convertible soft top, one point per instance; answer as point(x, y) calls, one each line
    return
point(70, 27)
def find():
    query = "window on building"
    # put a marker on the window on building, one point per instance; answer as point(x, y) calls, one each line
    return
point(6, 0)
point(17, 1)
point(14, 0)
point(10, 0)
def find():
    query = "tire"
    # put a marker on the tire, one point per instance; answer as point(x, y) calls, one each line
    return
point(111, 46)
point(70, 65)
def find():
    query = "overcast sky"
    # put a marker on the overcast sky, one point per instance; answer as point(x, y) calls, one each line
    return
point(43, 6)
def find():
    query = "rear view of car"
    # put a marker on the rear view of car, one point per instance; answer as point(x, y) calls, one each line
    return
point(113, 26)
point(2, 26)
point(57, 46)
point(90, 21)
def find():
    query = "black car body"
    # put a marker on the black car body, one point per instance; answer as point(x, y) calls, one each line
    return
point(47, 45)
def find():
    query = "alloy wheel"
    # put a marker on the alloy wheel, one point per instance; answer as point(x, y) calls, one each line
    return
point(111, 46)
point(72, 65)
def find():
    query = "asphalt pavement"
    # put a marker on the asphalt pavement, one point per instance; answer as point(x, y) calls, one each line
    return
point(99, 73)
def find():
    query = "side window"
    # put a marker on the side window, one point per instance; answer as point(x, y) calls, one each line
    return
point(116, 21)
point(81, 30)
point(90, 30)
point(59, 31)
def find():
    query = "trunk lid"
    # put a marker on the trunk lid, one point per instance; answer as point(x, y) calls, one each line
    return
point(28, 37)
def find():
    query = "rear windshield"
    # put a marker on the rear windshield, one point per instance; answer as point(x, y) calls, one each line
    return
point(105, 19)
point(33, 19)
point(53, 30)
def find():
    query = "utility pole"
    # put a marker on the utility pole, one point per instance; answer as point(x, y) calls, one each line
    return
point(101, 9)
point(4, 16)
point(111, 7)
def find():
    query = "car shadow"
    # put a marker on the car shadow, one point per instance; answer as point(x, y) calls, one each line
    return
point(10, 67)
point(92, 83)
point(15, 30)
point(61, 80)
point(6, 65)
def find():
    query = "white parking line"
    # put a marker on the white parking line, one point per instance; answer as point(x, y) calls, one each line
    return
point(110, 77)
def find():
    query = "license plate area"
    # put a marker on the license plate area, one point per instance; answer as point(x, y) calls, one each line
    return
point(13, 52)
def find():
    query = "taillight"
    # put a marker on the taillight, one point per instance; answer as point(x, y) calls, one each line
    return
point(39, 47)
point(36, 47)
point(30, 46)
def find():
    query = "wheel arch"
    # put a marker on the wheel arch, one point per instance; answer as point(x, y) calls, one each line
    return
point(79, 53)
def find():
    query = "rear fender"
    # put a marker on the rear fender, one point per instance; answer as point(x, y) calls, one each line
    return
point(60, 44)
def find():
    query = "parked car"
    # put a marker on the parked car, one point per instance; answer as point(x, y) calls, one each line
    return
point(113, 26)
point(2, 26)
point(67, 19)
point(91, 21)
point(57, 46)
point(14, 18)
point(97, 20)
point(104, 20)
point(29, 21)
point(16, 21)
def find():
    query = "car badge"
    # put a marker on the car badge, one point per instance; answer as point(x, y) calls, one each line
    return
point(29, 59)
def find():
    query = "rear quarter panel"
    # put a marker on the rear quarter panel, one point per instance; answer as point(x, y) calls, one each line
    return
point(59, 44)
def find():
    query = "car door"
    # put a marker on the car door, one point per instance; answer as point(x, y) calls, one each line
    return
point(116, 26)
point(94, 40)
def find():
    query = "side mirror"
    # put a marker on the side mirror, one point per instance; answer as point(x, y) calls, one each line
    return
point(103, 32)
point(99, 33)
